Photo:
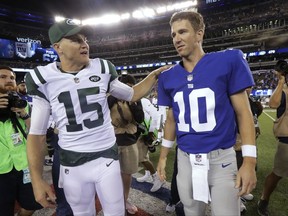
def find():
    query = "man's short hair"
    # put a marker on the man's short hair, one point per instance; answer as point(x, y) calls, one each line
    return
point(20, 82)
point(4, 67)
point(196, 19)
point(128, 79)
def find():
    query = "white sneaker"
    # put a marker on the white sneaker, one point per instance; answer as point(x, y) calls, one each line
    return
point(248, 197)
point(146, 178)
point(242, 206)
point(157, 183)
point(170, 207)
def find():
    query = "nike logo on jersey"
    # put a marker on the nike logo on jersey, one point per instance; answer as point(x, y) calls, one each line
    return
point(108, 164)
point(225, 164)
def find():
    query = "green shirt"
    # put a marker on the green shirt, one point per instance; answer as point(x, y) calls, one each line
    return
point(12, 147)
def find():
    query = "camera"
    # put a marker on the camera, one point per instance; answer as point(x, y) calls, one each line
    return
point(149, 141)
point(282, 67)
point(14, 100)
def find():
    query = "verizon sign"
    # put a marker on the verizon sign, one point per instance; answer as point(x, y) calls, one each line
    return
point(27, 40)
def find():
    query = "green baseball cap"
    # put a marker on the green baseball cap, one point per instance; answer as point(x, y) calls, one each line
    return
point(63, 29)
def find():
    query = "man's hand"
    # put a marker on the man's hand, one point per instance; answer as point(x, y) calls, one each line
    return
point(43, 194)
point(161, 69)
point(3, 100)
point(21, 111)
point(161, 168)
point(281, 78)
point(246, 177)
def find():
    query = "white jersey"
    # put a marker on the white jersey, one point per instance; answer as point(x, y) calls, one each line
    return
point(157, 115)
point(150, 114)
point(79, 103)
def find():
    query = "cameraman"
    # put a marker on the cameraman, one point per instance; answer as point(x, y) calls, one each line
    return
point(279, 101)
point(15, 182)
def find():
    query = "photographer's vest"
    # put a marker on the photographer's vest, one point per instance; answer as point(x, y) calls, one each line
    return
point(12, 147)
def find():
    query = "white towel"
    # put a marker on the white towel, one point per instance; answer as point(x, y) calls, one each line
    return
point(200, 167)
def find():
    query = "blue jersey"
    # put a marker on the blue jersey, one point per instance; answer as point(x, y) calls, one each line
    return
point(204, 116)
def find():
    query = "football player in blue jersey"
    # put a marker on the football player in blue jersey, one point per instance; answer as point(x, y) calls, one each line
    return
point(75, 91)
point(207, 103)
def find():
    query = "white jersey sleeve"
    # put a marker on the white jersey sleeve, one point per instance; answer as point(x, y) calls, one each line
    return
point(121, 90)
point(41, 111)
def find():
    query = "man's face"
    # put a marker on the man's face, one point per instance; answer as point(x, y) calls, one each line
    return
point(7, 81)
point(21, 88)
point(74, 49)
point(185, 39)
point(10, 51)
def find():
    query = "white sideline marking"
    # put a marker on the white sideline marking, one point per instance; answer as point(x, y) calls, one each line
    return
point(265, 112)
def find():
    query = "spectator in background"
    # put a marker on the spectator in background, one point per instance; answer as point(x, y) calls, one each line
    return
point(10, 51)
point(148, 141)
point(22, 91)
point(206, 95)
point(6, 49)
point(75, 91)
point(15, 182)
point(125, 118)
point(279, 101)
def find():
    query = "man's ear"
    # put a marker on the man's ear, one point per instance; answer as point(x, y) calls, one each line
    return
point(200, 35)
point(57, 48)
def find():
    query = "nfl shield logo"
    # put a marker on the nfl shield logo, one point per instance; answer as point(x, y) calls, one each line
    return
point(198, 157)
point(66, 171)
point(76, 80)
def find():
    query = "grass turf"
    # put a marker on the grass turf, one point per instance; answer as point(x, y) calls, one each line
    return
point(266, 144)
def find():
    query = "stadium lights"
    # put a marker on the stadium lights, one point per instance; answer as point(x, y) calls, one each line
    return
point(125, 16)
point(60, 18)
point(161, 10)
point(106, 19)
point(148, 12)
point(137, 14)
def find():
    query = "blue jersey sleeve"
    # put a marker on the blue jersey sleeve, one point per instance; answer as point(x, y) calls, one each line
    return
point(240, 76)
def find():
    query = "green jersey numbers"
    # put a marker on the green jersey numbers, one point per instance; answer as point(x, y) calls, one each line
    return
point(83, 94)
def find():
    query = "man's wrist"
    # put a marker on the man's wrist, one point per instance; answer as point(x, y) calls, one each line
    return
point(167, 143)
point(249, 151)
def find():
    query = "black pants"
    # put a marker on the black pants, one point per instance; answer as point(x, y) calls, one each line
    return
point(13, 189)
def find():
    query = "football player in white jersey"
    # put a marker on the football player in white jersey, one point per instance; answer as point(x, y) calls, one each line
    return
point(75, 90)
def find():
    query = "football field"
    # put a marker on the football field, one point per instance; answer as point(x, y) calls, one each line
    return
point(266, 144)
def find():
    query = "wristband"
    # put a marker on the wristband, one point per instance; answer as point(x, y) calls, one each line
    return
point(249, 151)
point(167, 143)
point(25, 117)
